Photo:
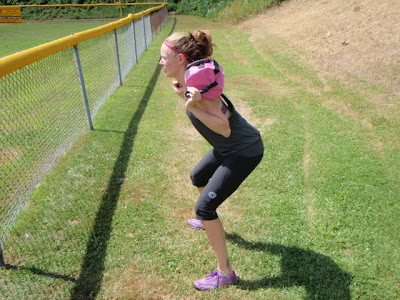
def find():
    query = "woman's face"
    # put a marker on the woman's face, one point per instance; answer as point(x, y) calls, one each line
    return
point(171, 62)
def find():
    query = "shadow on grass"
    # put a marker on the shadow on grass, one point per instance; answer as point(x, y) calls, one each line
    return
point(37, 271)
point(317, 273)
point(91, 275)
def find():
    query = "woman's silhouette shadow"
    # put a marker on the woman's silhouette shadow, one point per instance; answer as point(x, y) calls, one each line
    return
point(320, 275)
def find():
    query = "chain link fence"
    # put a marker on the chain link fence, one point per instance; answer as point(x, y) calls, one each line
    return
point(45, 106)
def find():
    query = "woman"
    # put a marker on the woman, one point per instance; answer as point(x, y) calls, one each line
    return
point(237, 146)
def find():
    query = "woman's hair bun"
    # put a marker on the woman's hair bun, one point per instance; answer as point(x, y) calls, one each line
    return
point(196, 44)
point(203, 41)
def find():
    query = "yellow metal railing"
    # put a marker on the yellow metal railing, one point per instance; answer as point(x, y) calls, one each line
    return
point(18, 60)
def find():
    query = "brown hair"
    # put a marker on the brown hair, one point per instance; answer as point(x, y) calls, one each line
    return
point(196, 44)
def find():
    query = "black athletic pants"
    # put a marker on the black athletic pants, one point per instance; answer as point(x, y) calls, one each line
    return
point(220, 176)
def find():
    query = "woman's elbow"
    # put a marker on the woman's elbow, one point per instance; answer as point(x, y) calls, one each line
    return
point(227, 131)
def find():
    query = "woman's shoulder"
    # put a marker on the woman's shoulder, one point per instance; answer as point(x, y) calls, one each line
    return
point(214, 106)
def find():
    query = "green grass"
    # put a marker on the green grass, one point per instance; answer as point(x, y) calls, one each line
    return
point(239, 10)
point(14, 36)
point(228, 11)
point(318, 219)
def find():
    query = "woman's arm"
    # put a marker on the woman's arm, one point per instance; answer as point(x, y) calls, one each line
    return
point(208, 112)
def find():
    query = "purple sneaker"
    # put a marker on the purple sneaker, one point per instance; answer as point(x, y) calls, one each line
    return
point(196, 224)
point(214, 280)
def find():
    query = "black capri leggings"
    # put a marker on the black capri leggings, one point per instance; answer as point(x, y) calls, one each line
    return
point(220, 177)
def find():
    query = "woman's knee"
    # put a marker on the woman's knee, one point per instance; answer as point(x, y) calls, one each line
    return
point(207, 204)
point(197, 179)
point(203, 213)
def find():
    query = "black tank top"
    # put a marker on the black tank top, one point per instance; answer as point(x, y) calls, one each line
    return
point(245, 140)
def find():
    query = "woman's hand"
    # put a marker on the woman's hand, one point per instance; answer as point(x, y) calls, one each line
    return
point(193, 97)
point(178, 88)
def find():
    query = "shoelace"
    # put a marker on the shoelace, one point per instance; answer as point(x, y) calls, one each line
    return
point(212, 275)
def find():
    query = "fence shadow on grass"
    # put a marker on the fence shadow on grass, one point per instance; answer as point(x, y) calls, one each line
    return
point(317, 273)
point(91, 275)
point(38, 271)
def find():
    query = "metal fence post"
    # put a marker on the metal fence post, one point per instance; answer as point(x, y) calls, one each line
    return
point(83, 87)
point(118, 60)
point(2, 264)
point(164, 17)
point(151, 30)
point(144, 31)
point(134, 40)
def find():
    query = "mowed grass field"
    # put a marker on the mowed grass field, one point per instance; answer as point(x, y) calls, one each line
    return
point(22, 36)
point(318, 219)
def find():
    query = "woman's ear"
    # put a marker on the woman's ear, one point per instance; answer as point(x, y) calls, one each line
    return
point(181, 59)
